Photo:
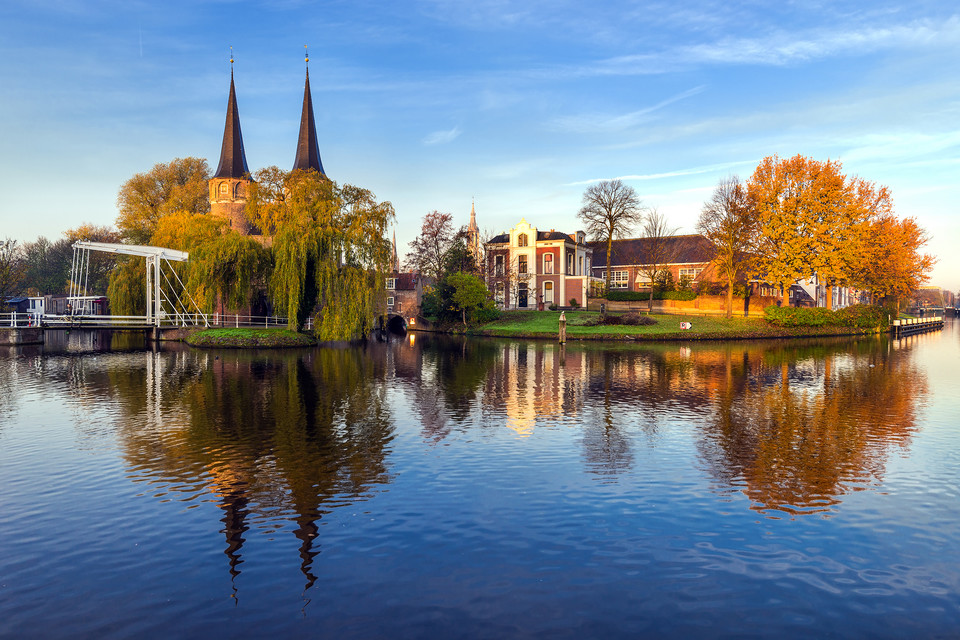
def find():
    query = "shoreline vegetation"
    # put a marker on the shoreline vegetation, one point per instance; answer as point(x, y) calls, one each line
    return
point(582, 325)
point(589, 325)
point(248, 338)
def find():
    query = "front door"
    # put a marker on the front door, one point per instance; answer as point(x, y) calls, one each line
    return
point(548, 293)
point(522, 296)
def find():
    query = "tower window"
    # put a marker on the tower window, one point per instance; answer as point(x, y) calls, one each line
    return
point(224, 188)
point(522, 240)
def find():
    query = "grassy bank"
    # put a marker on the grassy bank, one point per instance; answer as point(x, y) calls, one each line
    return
point(248, 338)
point(545, 324)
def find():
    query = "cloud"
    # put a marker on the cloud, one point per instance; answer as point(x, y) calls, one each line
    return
point(777, 49)
point(442, 137)
point(669, 174)
point(598, 123)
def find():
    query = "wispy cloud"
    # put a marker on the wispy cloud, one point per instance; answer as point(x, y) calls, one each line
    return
point(442, 137)
point(669, 174)
point(596, 123)
point(777, 49)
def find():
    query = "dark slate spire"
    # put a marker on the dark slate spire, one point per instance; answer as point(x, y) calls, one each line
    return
point(233, 161)
point(308, 151)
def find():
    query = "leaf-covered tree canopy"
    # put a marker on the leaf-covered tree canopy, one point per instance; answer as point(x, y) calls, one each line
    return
point(330, 250)
point(177, 186)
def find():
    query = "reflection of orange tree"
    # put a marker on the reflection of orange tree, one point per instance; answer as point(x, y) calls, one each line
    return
point(267, 435)
point(799, 432)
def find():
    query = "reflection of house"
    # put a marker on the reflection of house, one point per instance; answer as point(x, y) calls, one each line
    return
point(687, 258)
point(526, 266)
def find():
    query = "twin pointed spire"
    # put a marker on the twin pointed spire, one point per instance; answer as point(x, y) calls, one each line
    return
point(233, 160)
point(308, 151)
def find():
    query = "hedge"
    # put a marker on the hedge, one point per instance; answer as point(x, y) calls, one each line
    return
point(858, 315)
point(635, 296)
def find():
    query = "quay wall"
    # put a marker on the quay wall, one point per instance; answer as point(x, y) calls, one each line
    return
point(21, 335)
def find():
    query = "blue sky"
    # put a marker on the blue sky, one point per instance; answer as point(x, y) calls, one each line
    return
point(516, 104)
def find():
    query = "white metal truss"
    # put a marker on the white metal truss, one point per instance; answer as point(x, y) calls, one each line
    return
point(176, 311)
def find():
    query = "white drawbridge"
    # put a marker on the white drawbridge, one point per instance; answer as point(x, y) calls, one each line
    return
point(165, 305)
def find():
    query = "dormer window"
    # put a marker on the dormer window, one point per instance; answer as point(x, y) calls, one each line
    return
point(522, 240)
point(391, 283)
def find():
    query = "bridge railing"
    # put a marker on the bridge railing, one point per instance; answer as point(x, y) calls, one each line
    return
point(77, 320)
point(14, 319)
point(235, 320)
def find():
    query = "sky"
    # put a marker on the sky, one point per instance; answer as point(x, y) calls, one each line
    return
point(516, 106)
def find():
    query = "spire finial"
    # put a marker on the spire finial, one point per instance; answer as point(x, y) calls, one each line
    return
point(306, 55)
point(231, 57)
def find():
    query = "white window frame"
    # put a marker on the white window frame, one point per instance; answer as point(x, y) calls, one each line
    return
point(390, 300)
point(548, 264)
point(391, 283)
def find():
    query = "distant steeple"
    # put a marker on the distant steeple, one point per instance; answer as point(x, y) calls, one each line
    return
point(394, 258)
point(233, 160)
point(308, 151)
point(473, 234)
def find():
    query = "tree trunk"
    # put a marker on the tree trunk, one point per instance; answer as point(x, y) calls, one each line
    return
point(729, 298)
point(650, 301)
point(829, 296)
point(609, 272)
point(784, 295)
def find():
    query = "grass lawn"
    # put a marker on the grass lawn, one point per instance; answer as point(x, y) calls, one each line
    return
point(545, 324)
point(249, 337)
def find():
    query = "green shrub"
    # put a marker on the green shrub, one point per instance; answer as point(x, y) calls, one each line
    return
point(636, 296)
point(859, 316)
point(487, 313)
point(862, 316)
point(574, 303)
point(553, 306)
point(629, 319)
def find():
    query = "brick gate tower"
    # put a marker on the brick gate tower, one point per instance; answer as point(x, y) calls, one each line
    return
point(228, 186)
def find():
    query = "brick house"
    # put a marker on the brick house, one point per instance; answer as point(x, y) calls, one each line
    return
point(526, 267)
point(404, 291)
point(689, 260)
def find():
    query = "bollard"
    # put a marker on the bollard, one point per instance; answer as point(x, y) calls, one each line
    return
point(563, 328)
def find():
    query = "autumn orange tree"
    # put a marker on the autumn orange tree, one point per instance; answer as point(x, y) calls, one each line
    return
point(729, 221)
point(812, 219)
point(891, 264)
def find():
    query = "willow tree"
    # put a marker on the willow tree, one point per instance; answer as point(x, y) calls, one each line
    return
point(224, 267)
point(329, 247)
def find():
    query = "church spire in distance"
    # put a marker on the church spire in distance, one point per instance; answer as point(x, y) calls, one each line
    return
point(233, 160)
point(308, 151)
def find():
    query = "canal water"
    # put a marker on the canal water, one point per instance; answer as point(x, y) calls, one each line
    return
point(467, 488)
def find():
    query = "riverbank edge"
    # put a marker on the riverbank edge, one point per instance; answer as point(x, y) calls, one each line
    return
point(774, 333)
point(249, 338)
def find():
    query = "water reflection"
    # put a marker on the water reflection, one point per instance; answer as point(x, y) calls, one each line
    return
point(275, 437)
point(793, 426)
point(795, 429)
point(280, 439)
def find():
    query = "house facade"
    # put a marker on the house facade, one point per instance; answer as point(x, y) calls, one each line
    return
point(526, 268)
point(404, 292)
point(688, 259)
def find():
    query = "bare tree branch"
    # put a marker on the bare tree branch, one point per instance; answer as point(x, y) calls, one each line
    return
point(610, 210)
